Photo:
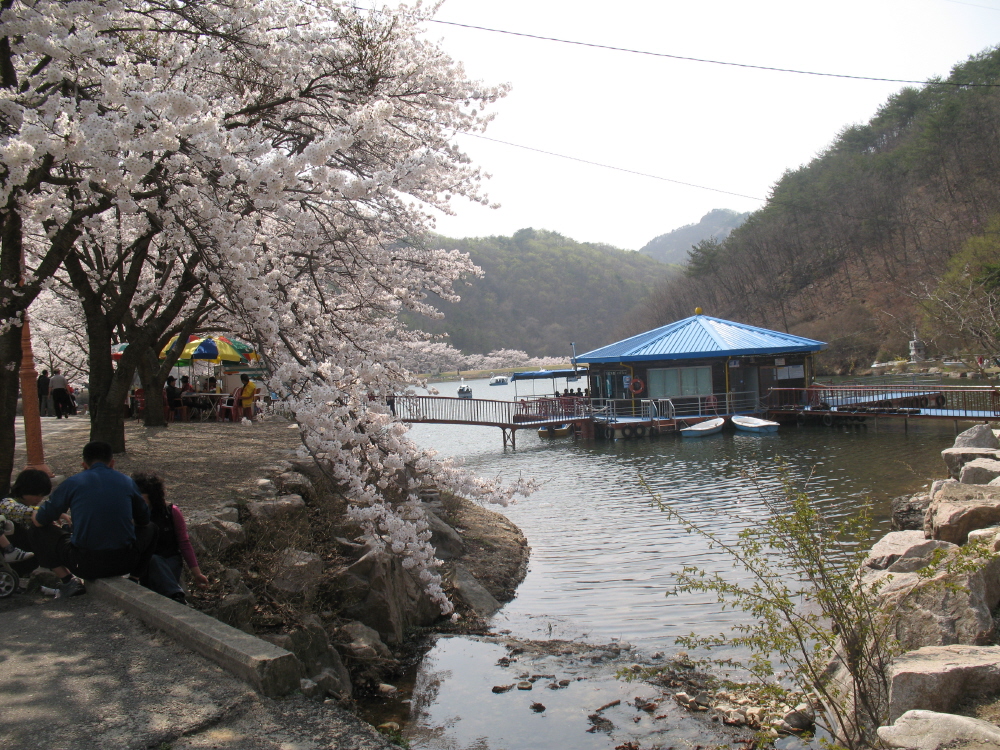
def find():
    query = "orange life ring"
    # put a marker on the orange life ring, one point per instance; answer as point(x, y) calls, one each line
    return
point(636, 386)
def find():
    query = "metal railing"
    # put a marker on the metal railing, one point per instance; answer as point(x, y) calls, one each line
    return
point(680, 407)
point(444, 410)
point(929, 400)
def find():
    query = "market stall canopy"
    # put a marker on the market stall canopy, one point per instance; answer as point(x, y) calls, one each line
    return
point(215, 349)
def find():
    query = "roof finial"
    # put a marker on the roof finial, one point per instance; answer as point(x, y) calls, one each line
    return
point(697, 311)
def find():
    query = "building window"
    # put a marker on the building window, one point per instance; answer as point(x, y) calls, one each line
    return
point(676, 382)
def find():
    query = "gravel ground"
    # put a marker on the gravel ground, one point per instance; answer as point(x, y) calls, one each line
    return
point(203, 464)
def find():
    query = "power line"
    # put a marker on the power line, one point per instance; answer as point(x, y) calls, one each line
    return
point(611, 166)
point(704, 60)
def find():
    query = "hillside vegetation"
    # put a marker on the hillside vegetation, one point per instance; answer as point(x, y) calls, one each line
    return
point(850, 247)
point(673, 247)
point(541, 291)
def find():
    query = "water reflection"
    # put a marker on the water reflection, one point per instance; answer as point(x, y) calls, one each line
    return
point(602, 556)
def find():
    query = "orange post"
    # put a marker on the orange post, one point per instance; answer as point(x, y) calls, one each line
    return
point(29, 403)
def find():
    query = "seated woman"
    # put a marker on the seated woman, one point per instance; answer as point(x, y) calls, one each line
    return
point(29, 489)
point(174, 402)
point(164, 573)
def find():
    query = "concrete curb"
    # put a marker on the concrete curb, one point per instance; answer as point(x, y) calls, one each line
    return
point(270, 669)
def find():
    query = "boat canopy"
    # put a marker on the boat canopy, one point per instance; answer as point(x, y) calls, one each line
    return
point(547, 374)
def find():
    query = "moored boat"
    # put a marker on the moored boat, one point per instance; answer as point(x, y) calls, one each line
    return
point(708, 427)
point(555, 430)
point(753, 424)
point(500, 380)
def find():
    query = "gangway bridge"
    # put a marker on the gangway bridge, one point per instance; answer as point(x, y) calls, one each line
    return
point(627, 418)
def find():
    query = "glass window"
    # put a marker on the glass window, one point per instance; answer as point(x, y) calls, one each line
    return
point(680, 381)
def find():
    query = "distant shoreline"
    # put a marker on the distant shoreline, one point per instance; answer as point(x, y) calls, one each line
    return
point(448, 377)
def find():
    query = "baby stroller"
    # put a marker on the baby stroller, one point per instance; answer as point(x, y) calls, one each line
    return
point(10, 581)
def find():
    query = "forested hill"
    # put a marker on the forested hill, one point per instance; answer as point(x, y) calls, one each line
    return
point(673, 247)
point(871, 240)
point(541, 291)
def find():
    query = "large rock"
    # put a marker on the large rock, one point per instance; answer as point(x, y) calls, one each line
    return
point(956, 458)
point(978, 436)
point(908, 512)
point(446, 541)
point(472, 593)
point(294, 483)
point(980, 471)
point(903, 551)
point(956, 509)
point(928, 730)
point(213, 536)
point(236, 608)
point(387, 596)
point(299, 573)
point(947, 608)
point(939, 678)
point(321, 661)
point(274, 508)
point(364, 642)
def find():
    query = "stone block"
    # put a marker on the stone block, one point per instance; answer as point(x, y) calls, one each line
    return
point(270, 509)
point(980, 471)
point(214, 536)
point(978, 436)
point(271, 670)
point(298, 573)
point(929, 730)
point(903, 551)
point(472, 593)
point(956, 458)
point(939, 678)
point(294, 483)
point(908, 512)
point(957, 509)
point(446, 541)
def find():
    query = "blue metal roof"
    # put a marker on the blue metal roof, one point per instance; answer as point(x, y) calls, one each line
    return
point(701, 336)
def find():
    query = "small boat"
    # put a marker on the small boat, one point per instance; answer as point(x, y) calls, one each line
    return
point(708, 427)
point(752, 424)
point(555, 430)
point(465, 391)
point(500, 380)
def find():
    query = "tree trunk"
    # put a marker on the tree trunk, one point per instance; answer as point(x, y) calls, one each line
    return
point(152, 385)
point(10, 355)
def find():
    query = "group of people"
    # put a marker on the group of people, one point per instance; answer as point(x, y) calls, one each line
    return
point(56, 386)
point(99, 523)
point(197, 404)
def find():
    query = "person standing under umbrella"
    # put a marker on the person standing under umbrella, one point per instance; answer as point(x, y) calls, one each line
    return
point(247, 395)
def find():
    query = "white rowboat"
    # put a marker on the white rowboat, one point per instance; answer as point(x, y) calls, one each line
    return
point(752, 424)
point(708, 427)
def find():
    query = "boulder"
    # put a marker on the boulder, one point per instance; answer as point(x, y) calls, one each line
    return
point(957, 509)
point(939, 678)
point(956, 458)
point(903, 551)
point(929, 730)
point(320, 660)
point(387, 596)
point(978, 436)
point(980, 471)
point(364, 641)
point(947, 608)
point(989, 536)
point(908, 512)
point(265, 488)
point(446, 541)
point(937, 484)
point(236, 608)
point(294, 483)
point(298, 573)
point(213, 536)
point(472, 592)
point(270, 509)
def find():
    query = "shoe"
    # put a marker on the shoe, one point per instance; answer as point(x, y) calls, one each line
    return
point(73, 587)
point(17, 555)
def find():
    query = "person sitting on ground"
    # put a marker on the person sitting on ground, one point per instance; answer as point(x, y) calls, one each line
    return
point(172, 543)
point(29, 489)
point(111, 534)
point(247, 394)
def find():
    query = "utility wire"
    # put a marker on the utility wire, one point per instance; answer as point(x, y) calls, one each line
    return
point(611, 166)
point(704, 60)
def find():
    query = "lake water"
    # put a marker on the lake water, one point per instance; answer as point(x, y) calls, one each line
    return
point(602, 555)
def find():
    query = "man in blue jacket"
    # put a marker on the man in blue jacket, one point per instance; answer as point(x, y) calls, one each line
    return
point(111, 533)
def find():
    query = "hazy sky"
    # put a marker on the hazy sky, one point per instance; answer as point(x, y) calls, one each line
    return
point(729, 128)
